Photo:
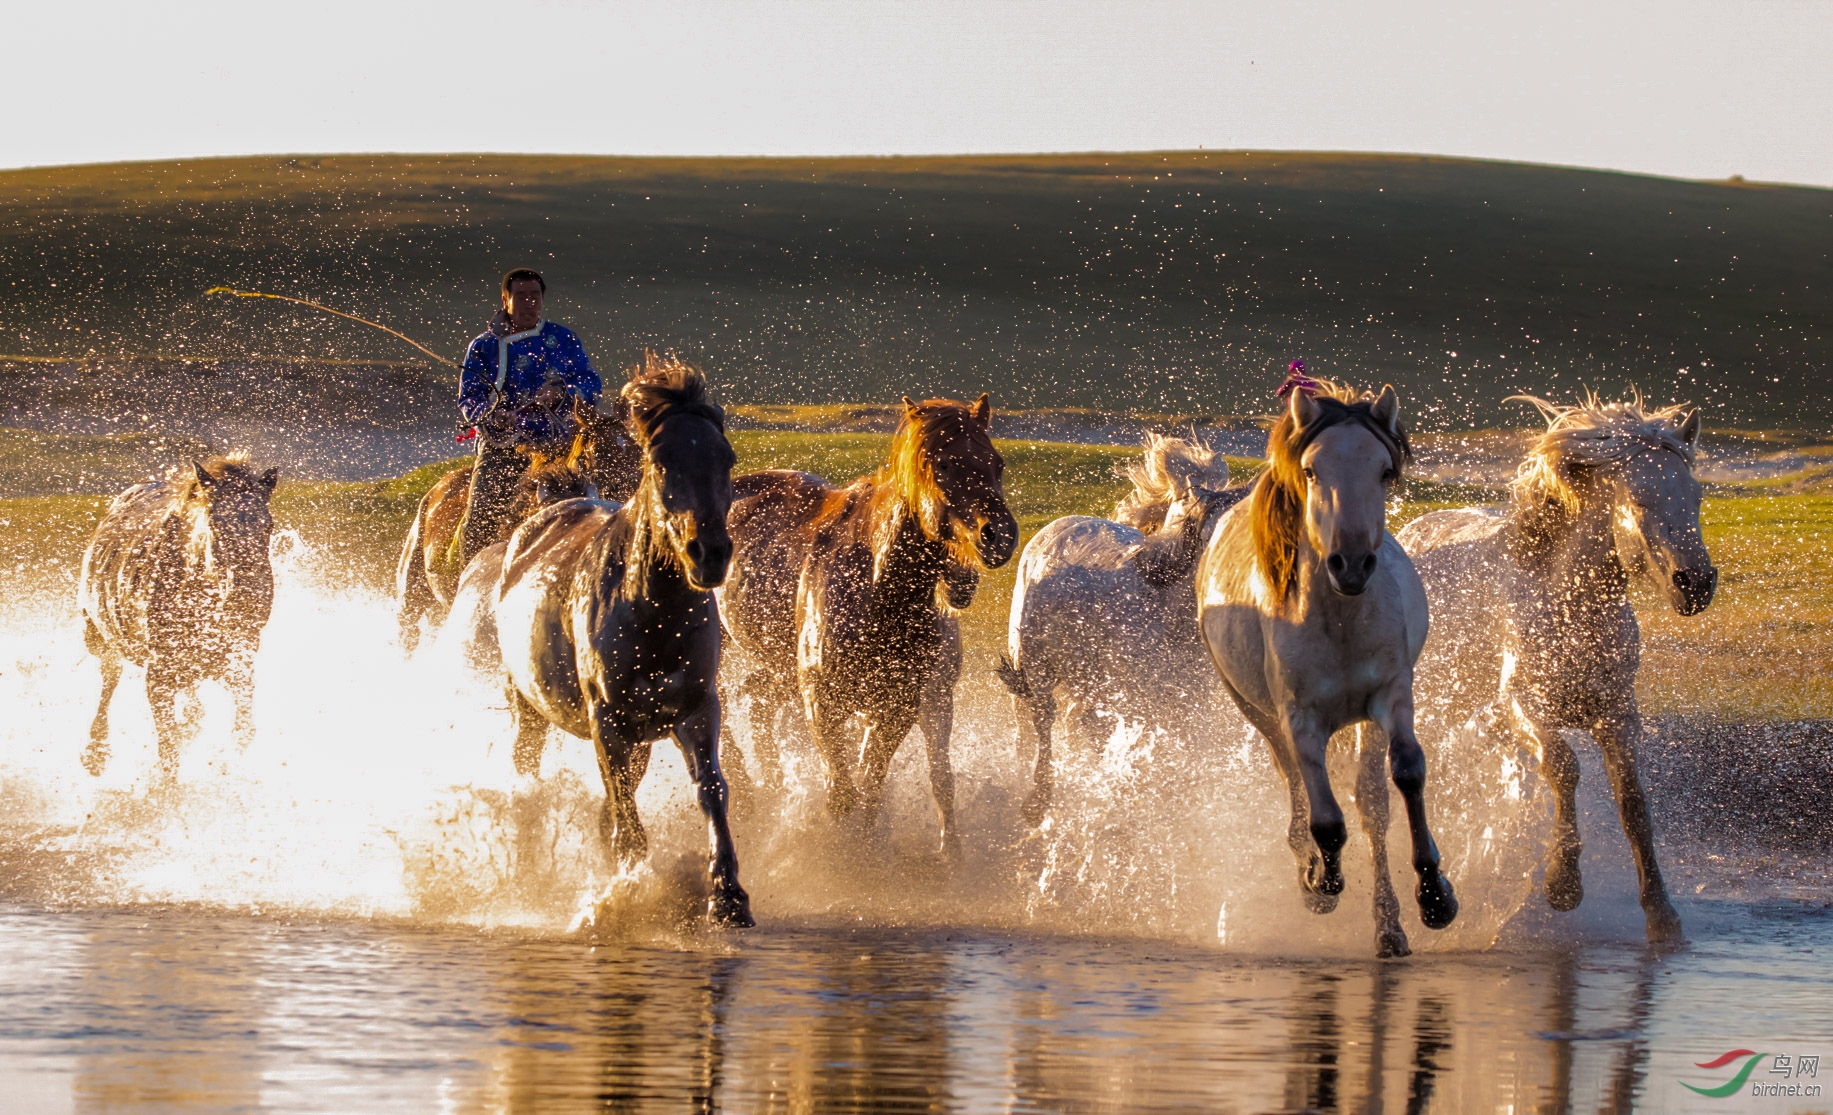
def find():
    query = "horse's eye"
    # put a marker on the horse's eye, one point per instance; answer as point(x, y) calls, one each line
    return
point(1387, 475)
point(1310, 474)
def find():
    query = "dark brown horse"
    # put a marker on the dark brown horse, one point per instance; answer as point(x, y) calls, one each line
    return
point(607, 623)
point(843, 595)
point(177, 579)
point(427, 574)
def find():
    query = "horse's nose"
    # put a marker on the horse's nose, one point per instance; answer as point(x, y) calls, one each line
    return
point(710, 560)
point(1693, 589)
point(1350, 571)
point(998, 538)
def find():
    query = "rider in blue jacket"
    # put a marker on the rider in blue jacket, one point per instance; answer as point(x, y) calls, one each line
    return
point(514, 391)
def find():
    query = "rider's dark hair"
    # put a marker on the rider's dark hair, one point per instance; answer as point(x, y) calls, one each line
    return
point(523, 275)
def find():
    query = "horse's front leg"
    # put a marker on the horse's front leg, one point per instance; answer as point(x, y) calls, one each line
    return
point(1407, 762)
point(239, 678)
point(1617, 738)
point(829, 725)
point(698, 738)
point(162, 690)
point(1372, 805)
point(936, 716)
point(622, 761)
point(95, 756)
point(885, 732)
point(1322, 876)
point(530, 731)
point(1564, 885)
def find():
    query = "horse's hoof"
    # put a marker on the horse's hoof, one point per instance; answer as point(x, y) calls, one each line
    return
point(1037, 805)
point(1318, 902)
point(1437, 902)
point(1391, 944)
point(1324, 878)
point(730, 908)
point(1564, 890)
point(1664, 926)
point(95, 758)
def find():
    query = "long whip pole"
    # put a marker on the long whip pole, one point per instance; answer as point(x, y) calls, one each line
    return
point(316, 306)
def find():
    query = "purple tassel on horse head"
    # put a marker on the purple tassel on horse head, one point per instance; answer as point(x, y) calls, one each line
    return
point(1296, 380)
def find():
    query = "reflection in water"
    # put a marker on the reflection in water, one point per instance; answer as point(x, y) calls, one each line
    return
point(173, 1009)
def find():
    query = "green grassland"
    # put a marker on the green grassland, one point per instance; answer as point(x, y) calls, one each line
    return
point(1177, 282)
point(1758, 653)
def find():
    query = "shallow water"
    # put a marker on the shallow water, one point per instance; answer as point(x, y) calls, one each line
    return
point(367, 910)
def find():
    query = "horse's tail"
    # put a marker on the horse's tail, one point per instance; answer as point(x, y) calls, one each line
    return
point(1013, 677)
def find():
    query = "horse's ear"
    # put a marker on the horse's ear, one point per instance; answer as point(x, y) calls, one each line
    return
point(270, 478)
point(1387, 409)
point(1304, 409)
point(982, 410)
point(1689, 429)
point(910, 404)
point(203, 475)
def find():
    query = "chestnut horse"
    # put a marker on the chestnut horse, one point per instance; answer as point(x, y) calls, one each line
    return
point(607, 623)
point(1314, 618)
point(1531, 608)
point(843, 595)
point(177, 579)
point(427, 574)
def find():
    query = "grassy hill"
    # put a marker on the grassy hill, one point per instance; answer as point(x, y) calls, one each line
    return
point(1176, 282)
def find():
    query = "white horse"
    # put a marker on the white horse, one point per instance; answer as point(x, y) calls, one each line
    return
point(1104, 612)
point(1530, 605)
point(1314, 618)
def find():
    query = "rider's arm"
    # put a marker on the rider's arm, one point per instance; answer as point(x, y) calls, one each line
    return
point(576, 368)
point(478, 378)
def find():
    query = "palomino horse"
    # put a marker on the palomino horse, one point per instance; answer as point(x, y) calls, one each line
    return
point(1531, 604)
point(1314, 618)
point(608, 625)
point(843, 595)
point(1106, 612)
point(428, 572)
point(177, 579)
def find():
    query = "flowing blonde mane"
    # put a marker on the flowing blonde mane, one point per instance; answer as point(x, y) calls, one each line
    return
point(1278, 509)
point(1592, 432)
point(660, 388)
point(1167, 465)
point(905, 486)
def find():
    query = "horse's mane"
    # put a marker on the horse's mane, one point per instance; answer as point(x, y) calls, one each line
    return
point(1591, 432)
point(1278, 510)
point(905, 486)
point(1168, 464)
point(660, 388)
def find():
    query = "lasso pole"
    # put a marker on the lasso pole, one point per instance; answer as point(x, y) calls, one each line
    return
point(329, 310)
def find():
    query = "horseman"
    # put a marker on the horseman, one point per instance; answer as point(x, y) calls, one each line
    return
point(515, 392)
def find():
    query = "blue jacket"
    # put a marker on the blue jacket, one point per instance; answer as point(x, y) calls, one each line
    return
point(532, 355)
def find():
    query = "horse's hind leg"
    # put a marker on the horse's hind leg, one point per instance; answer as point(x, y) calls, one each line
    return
point(936, 716)
point(829, 726)
point(531, 733)
point(1565, 887)
point(728, 905)
point(411, 586)
point(162, 689)
point(95, 756)
point(1617, 739)
point(1407, 762)
point(1372, 804)
point(885, 732)
point(1034, 692)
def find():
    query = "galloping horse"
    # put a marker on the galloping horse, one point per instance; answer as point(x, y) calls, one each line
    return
point(608, 625)
point(843, 595)
point(1106, 611)
point(427, 574)
point(1531, 606)
point(1314, 618)
point(177, 579)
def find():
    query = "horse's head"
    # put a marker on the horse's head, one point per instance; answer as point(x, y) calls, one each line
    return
point(1332, 458)
point(235, 500)
point(1636, 464)
point(604, 448)
point(944, 465)
point(687, 468)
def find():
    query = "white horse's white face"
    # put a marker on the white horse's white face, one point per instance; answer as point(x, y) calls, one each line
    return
point(1188, 503)
point(1347, 470)
point(1657, 523)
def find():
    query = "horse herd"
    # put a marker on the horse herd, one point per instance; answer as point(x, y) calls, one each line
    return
point(638, 559)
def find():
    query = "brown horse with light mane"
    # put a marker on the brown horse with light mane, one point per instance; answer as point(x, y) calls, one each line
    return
point(177, 579)
point(428, 572)
point(607, 623)
point(845, 595)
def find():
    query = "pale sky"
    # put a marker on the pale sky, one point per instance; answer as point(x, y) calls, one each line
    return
point(1697, 90)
